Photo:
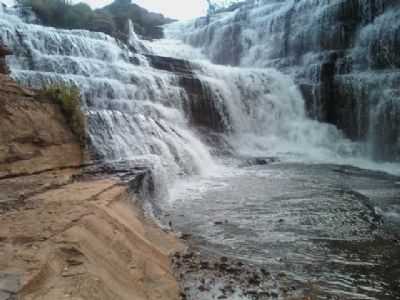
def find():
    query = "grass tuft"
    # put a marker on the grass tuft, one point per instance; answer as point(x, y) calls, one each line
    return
point(69, 100)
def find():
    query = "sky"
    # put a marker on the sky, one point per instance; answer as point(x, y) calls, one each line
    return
point(177, 9)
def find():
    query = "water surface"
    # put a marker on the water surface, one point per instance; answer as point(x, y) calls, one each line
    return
point(330, 228)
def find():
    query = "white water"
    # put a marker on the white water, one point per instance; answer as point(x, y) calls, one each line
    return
point(271, 118)
point(138, 112)
point(298, 37)
point(264, 111)
point(134, 111)
point(8, 3)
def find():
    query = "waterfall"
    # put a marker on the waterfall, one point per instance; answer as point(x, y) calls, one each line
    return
point(133, 110)
point(264, 113)
point(133, 39)
point(147, 102)
point(343, 54)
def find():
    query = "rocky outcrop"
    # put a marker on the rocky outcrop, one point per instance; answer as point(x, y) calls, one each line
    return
point(199, 101)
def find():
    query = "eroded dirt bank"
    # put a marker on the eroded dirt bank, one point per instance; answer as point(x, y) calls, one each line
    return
point(64, 234)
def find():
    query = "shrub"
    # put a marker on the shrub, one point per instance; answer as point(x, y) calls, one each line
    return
point(111, 19)
point(69, 100)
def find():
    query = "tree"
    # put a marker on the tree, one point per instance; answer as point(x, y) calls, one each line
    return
point(111, 19)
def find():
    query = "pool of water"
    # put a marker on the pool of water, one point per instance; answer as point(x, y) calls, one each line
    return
point(334, 229)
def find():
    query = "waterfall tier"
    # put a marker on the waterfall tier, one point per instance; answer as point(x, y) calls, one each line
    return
point(142, 105)
point(343, 54)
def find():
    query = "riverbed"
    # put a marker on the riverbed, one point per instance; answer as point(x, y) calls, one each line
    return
point(332, 229)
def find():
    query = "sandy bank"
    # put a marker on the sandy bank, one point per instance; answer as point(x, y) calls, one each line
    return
point(85, 240)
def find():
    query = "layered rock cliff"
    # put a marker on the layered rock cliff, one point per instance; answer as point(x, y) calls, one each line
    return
point(342, 53)
point(33, 134)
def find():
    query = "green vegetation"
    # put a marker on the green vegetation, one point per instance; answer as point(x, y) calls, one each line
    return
point(111, 19)
point(68, 98)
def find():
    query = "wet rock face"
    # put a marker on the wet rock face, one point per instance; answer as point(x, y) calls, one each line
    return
point(199, 101)
point(34, 135)
point(343, 54)
point(4, 51)
point(200, 104)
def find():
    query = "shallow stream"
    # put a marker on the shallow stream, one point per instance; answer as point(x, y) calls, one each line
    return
point(329, 228)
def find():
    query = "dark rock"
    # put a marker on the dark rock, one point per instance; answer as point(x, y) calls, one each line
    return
point(259, 161)
point(255, 280)
point(202, 288)
point(265, 272)
point(282, 275)
point(185, 236)
point(170, 64)
point(222, 266)
point(189, 255)
point(200, 106)
point(4, 51)
point(274, 295)
point(204, 264)
point(264, 294)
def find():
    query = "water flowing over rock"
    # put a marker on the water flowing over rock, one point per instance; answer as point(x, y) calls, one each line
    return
point(134, 111)
point(343, 54)
point(142, 105)
point(133, 39)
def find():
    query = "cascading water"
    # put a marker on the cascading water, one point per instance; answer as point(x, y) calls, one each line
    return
point(270, 118)
point(262, 112)
point(133, 111)
point(136, 110)
point(343, 54)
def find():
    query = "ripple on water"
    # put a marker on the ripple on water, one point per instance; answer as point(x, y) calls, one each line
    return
point(316, 224)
